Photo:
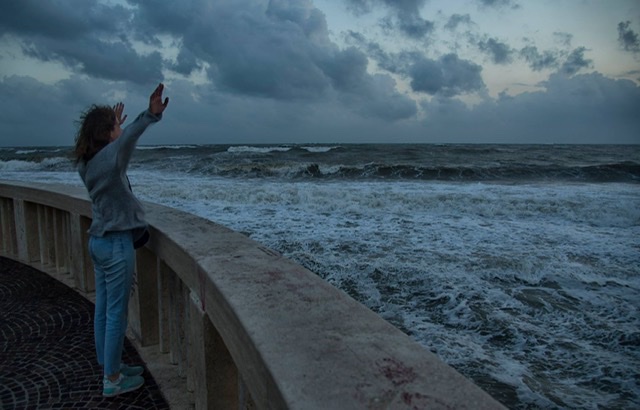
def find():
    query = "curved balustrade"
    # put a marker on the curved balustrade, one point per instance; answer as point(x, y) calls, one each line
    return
point(245, 326)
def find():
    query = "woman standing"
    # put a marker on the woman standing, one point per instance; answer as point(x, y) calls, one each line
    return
point(102, 153)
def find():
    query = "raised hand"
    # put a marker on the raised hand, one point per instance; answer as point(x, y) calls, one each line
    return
point(156, 106)
point(118, 109)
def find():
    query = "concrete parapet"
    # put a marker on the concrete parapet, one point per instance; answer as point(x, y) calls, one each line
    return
point(243, 326)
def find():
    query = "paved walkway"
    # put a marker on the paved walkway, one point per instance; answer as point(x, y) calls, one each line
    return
point(47, 358)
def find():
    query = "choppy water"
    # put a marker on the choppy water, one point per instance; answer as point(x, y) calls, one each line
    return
point(517, 265)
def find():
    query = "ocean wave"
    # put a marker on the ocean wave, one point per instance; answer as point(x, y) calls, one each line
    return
point(19, 165)
point(315, 149)
point(620, 172)
point(256, 149)
point(319, 149)
point(162, 147)
point(33, 150)
point(14, 165)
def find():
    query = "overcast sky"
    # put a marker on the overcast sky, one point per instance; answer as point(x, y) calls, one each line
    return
point(304, 71)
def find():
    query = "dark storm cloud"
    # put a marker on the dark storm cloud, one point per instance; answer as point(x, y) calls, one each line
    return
point(347, 70)
point(379, 99)
point(411, 25)
point(59, 20)
point(271, 53)
point(585, 108)
point(448, 76)
point(499, 52)
point(85, 37)
point(404, 16)
point(258, 55)
point(276, 50)
point(627, 38)
point(400, 6)
point(539, 61)
point(498, 3)
point(54, 107)
point(568, 62)
point(198, 114)
point(457, 19)
point(563, 38)
point(576, 61)
point(359, 7)
point(109, 60)
point(395, 63)
point(372, 96)
point(186, 62)
point(164, 17)
point(275, 75)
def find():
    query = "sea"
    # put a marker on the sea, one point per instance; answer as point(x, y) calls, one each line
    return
point(518, 265)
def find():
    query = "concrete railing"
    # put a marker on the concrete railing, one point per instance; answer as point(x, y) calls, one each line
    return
point(244, 326)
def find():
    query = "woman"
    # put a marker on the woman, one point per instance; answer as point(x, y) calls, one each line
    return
point(102, 154)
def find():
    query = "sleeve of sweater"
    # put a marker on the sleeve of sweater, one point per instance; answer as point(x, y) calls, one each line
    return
point(130, 135)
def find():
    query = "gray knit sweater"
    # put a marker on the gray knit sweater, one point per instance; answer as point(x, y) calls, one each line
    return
point(114, 206)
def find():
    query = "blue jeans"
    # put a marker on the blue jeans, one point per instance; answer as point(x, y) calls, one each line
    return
point(113, 260)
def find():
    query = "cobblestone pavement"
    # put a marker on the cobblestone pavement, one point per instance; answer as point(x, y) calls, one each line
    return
point(47, 356)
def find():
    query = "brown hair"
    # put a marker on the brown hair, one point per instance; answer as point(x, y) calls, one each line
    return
point(94, 131)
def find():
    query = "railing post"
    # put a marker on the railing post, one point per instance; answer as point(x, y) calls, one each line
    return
point(50, 239)
point(164, 331)
point(60, 240)
point(42, 234)
point(187, 341)
point(9, 245)
point(81, 265)
point(143, 306)
point(26, 223)
point(176, 318)
point(45, 234)
point(215, 374)
point(4, 236)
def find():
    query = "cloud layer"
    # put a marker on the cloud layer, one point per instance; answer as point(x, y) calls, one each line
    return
point(258, 71)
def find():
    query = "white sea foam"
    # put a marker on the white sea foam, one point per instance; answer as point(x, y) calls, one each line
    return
point(22, 165)
point(155, 147)
point(18, 165)
point(29, 175)
point(254, 149)
point(318, 149)
point(55, 161)
point(49, 150)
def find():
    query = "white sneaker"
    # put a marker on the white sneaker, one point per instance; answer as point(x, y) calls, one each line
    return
point(121, 385)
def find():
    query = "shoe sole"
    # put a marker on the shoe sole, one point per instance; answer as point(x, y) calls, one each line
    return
point(123, 391)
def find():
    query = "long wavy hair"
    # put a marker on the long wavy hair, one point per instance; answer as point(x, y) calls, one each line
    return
point(94, 131)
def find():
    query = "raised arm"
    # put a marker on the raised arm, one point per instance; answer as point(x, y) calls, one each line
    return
point(127, 141)
point(118, 109)
point(156, 106)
